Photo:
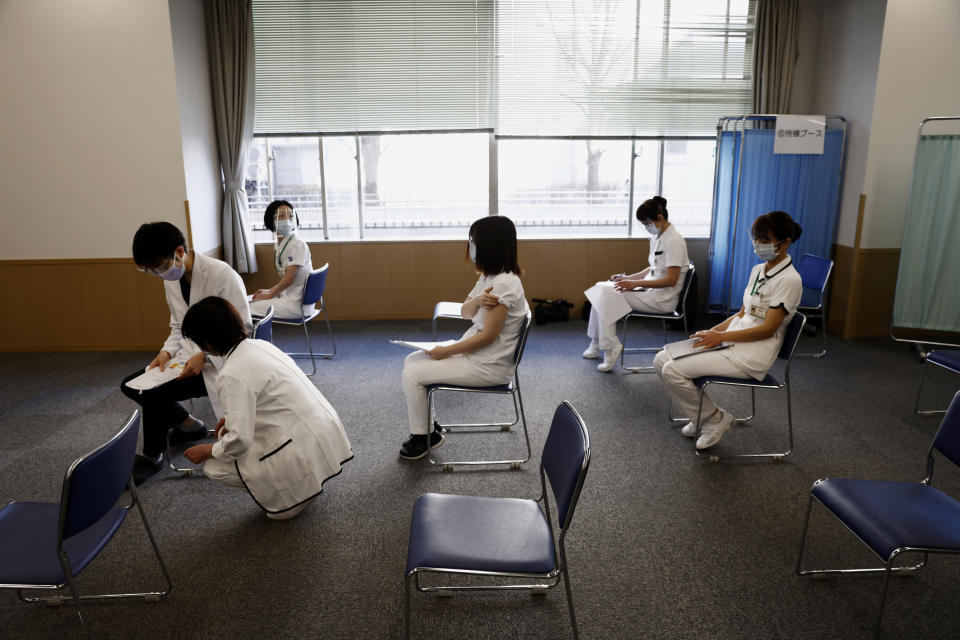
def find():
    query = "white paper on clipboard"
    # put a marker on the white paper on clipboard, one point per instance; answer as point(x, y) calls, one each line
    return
point(422, 346)
point(609, 303)
point(153, 378)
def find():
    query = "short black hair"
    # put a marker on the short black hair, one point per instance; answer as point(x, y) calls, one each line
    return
point(214, 324)
point(496, 240)
point(154, 242)
point(780, 223)
point(651, 208)
point(271, 213)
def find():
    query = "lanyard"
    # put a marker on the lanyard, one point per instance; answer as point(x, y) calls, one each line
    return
point(280, 253)
point(757, 285)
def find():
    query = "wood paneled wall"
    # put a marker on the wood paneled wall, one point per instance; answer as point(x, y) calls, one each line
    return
point(373, 280)
point(861, 294)
point(80, 305)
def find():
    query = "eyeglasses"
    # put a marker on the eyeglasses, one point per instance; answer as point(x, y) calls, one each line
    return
point(169, 263)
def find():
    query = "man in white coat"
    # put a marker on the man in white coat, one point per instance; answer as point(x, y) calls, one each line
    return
point(279, 437)
point(159, 249)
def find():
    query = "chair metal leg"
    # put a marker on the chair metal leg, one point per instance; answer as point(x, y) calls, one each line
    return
point(68, 572)
point(916, 405)
point(310, 348)
point(883, 594)
point(448, 465)
point(779, 455)
point(566, 582)
point(434, 328)
point(624, 351)
point(311, 354)
point(823, 338)
point(406, 607)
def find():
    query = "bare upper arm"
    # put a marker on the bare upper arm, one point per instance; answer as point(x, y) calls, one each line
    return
point(493, 322)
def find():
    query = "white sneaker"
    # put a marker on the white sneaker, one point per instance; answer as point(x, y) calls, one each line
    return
point(690, 429)
point(592, 352)
point(610, 357)
point(713, 430)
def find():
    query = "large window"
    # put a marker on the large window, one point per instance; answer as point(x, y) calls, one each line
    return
point(403, 118)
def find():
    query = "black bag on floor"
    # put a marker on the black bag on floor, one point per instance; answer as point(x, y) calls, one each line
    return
point(551, 310)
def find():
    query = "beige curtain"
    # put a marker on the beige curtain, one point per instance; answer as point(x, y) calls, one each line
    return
point(775, 54)
point(229, 25)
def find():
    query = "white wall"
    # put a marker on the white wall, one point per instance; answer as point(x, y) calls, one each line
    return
point(849, 52)
point(917, 79)
point(201, 163)
point(90, 137)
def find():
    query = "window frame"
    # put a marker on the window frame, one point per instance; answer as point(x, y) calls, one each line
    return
point(493, 166)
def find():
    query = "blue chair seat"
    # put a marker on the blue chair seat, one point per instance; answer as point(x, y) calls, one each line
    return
point(28, 543)
point(670, 315)
point(768, 381)
point(310, 316)
point(497, 388)
point(891, 515)
point(474, 533)
point(946, 358)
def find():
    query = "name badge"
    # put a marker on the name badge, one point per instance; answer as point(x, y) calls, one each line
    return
point(758, 312)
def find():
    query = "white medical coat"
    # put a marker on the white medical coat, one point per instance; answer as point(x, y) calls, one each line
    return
point(210, 277)
point(282, 435)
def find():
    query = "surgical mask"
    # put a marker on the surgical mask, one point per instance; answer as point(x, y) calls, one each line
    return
point(285, 227)
point(174, 273)
point(652, 229)
point(472, 248)
point(766, 251)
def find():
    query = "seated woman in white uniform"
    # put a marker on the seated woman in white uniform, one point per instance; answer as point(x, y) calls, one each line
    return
point(661, 282)
point(291, 259)
point(754, 333)
point(484, 355)
point(279, 437)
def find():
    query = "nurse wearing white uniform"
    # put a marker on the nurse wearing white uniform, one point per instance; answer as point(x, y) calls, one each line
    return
point(159, 249)
point(279, 438)
point(661, 282)
point(291, 259)
point(756, 331)
point(483, 356)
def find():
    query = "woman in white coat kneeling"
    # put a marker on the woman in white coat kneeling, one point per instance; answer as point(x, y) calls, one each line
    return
point(279, 437)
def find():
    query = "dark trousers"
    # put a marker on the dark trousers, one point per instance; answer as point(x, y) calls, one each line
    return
point(161, 409)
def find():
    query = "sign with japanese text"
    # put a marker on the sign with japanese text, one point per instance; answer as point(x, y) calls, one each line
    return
point(800, 134)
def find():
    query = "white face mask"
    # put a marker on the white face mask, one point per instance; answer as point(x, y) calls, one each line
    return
point(652, 229)
point(766, 251)
point(285, 227)
point(472, 248)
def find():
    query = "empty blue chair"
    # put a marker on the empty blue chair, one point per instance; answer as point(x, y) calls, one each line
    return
point(446, 310)
point(504, 537)
point(790, 339)
point(815, 273)
point(511, 388)
point(948, 359)
point(263, 327)
point(680, 313)
point(44, 545)
point(892, 518)
point(312, 294)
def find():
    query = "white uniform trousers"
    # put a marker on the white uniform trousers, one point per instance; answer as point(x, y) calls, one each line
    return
point(606, 334)
point(419, 370)
point(226, 474)
point(678, 375)
point(285, 307)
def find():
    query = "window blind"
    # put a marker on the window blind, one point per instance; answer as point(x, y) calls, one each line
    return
point(329, 66)
point(622, 68)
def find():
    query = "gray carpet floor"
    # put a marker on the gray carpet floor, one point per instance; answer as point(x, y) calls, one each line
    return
point(663, 545)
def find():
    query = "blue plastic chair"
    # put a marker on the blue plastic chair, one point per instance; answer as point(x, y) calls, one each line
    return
point(511, 388)
point(312, 294)
point(503, 537)
point(895, 517)
point(44, 545)
point(680, 313)
point(263, 328)
point(815, 273)
point(948, 359)
point(789, 345)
